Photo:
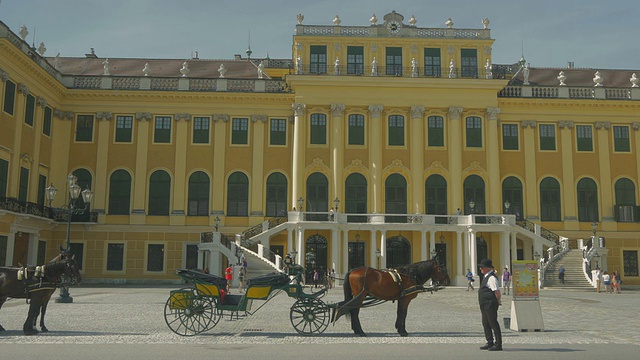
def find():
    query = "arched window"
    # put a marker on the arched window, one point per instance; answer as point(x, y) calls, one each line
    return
point(315, 256)
point(238, 195)
point(435, 190)
point(276, 195)
point(198, 194)
point(120, 193)
point(159, 193)
point(84, 181)
point(395, 198)
point(474, 191)
point(550, 200)
point(398, 252)
point(587, 200)
point(625, 207)
point(512, 192)
point(356, 197)
point(317, 196)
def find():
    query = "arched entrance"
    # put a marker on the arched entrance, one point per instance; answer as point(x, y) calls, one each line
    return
point(315, 256)
point(398, 251)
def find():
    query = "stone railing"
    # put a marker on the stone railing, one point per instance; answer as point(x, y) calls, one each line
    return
point(390, 71)
point(410, 31)
point(569, 92)
point(175, 84)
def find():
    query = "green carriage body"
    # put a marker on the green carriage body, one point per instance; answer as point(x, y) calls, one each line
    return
point(192, 310)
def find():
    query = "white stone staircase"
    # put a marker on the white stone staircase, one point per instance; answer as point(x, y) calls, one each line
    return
point(574, 277)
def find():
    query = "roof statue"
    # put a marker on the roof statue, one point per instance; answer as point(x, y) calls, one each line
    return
point(260, 70)
point(300, 18)
point(562, 78)
point(634, 80)
point(23, 32)
point(449, 23)
point(145, 70)
point(373, 20)
point(222, 70)
point(485, 23)
point(336, 20)
point(42, 49)
point(597, 79)
point(105, 66)
point(185, 69)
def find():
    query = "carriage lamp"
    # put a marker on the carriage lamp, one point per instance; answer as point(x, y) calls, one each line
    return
point(378, 254)
point(72, 207)
point(507, 205)
point(300, 203)
point(357, 236)
point(217, 220)
point(336, 202)
point(294, 254)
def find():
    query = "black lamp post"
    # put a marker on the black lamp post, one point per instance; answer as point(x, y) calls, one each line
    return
point(472, 205)
point(378, 254)
point(69, 209)
point(300, 203)
point(336, 202)
point(507, 205)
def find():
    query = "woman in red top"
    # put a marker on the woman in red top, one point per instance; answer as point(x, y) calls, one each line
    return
point(228, 275)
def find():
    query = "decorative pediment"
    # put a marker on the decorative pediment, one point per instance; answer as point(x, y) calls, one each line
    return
point(474, 167)
point(68, 115)
point(356, 166)
point(317, 165)
point(436, 168)
point(396, 167)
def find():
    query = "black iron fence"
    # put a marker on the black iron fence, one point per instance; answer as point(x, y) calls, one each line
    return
point(28, 208)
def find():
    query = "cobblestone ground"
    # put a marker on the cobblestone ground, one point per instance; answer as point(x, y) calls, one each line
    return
point(127, 314)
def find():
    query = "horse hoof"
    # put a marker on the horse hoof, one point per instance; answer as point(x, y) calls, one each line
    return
point(1, 328)
point(403, 334)
point(362, 335)
point(44, 329)
point(30, 332)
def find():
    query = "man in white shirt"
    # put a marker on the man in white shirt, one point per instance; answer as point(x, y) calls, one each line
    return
point(489, 298)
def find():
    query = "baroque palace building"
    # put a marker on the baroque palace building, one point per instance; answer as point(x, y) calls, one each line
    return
point(375, 145)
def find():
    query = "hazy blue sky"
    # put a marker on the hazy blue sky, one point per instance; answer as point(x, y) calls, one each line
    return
point(591, 33)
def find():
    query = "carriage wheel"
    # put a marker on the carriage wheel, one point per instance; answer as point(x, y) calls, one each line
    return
point(190, 315)
point(310, 316)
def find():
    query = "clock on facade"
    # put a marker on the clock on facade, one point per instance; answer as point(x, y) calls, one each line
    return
point(394, 27)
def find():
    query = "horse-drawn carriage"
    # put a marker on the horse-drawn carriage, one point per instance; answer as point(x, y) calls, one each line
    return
point(198, 308)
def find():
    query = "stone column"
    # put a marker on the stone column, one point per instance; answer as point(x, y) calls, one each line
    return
point(34, 175)
point(180, 187)
point(376, 145)
point(514, 247)
point(16, 161)
point(417, 159)
point(335, 248)
point(504, 250)
point(138, 214)
point(493, 162)
point(257, 167)
point(567, 188)
point(605, 187)
point(432, 244)
point(473, 249)
point(424, 252)
point(459, 252)
point(102, 155)
point(299, 138)
point(530, 175)
point(455, 159)
point(300, 246)
point(337, 150)
point(219, 146)
point(345, 253)
point(383, 249)
point(289, 241)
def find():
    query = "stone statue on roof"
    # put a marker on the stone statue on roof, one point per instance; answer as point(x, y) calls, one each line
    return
point(145, 70)
point(222, 70)
point(260, 70)
point(185, 69)
point(105, 67)
point(374, 67)
point(634, 80)
point(525, 74)
point(452, 69)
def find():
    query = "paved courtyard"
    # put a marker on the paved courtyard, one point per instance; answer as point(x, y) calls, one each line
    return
point(134, 315)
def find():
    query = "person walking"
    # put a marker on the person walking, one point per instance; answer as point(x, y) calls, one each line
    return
point(617, 282)
point(316, 277)
point(470, 280)
point(489, 298)
point(506, 280)
point(606, 279)
point(561, 274)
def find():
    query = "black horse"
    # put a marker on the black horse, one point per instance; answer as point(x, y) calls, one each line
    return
point(37, 285)
point(402, 284)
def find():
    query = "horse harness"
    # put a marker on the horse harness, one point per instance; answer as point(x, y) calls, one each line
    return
point(397, 278)
point(42, 281)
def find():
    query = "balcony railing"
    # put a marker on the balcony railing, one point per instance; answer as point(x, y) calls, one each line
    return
point(28, 208)
point(391, 71)
point(569, 92)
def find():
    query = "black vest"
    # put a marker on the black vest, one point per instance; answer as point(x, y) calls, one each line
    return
point(485, 294)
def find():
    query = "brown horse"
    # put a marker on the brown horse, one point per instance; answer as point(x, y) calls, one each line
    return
point(379, 285)
point(37, 286)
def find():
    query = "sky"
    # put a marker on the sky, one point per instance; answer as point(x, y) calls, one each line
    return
point(591, 33)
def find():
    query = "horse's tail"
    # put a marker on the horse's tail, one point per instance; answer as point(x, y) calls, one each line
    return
point(340, 310)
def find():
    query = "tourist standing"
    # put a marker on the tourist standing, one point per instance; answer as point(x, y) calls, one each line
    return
point(228, 275)
point(606, 279)
point(489, 298)
point(506, 280)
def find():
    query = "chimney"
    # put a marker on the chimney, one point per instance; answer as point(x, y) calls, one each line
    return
point(92, 55)
point(570, 65)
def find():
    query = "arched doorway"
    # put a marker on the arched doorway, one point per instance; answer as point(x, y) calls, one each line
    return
point(315, 256)
point(398, 251)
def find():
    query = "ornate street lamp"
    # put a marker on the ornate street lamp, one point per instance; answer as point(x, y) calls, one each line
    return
point(300, 203)
point(507, 205)
point(597, 257)
point(472, 205)
point(69, 209)
point(217, 220)
point(336, 202)
point(294, 253)
point(378, 254)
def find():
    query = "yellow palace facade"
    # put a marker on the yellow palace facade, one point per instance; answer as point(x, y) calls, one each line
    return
point(373, 145)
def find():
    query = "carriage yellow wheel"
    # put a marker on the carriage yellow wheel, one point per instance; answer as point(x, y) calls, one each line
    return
point(310, 316)
point(189, 314)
